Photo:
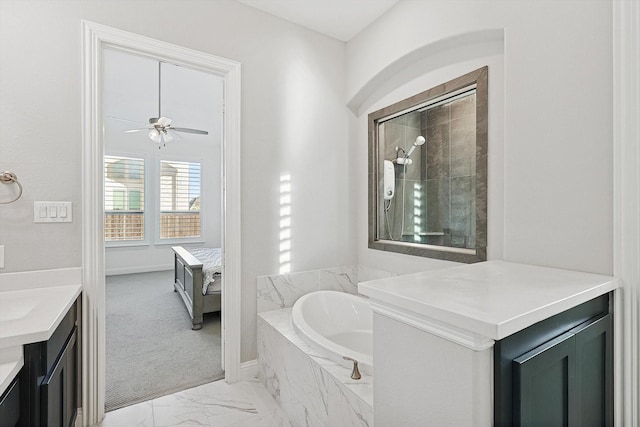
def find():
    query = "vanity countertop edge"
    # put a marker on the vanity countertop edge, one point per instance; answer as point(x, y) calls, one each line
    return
point(11, 361)
point(492, 299)
point(31, 314)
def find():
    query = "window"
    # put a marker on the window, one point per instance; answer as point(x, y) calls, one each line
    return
point(134, 200)
point(123, 199)
point(179, 199)
point(118, 200)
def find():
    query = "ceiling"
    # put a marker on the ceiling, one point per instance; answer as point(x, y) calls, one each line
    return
point(134, 90)
point(340, 19)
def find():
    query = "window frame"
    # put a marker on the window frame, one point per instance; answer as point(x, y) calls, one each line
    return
point(147, 216)
point(166, 157)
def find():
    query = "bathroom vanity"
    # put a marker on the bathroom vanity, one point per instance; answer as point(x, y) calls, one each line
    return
point(492, 343)
point(39, 356)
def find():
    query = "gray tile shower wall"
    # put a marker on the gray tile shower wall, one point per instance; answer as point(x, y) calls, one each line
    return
point(449, 179)
point(438, 187)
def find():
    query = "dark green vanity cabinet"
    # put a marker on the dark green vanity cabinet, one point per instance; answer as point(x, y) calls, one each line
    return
point(557, 372)
point(10, 405)
point(49, 378)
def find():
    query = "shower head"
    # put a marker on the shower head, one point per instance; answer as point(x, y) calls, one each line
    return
point(419, 141)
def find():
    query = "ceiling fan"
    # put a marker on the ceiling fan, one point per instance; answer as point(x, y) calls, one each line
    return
point(160, 128)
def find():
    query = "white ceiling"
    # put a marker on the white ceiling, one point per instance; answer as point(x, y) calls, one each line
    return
point(340, 19)
point(193, 99)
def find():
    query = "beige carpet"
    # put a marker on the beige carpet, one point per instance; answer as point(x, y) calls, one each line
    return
point(151, 350)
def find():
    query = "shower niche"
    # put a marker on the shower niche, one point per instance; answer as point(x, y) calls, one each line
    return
point(428, 172)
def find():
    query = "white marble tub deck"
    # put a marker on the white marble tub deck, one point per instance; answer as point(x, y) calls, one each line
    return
point(280, 320)
point(242, 404)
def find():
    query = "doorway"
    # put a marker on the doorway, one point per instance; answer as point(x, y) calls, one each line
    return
point(162, 189)
point(95, 39)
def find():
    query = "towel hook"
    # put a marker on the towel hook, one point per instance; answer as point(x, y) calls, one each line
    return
point(9, 178)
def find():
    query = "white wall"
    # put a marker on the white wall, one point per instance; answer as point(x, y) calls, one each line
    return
point(550, 150)
point(294, 121)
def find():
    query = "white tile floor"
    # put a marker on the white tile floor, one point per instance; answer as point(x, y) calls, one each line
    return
point(243, 404)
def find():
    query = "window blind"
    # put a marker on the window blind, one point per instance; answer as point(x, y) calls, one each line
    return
point(179, 199)
point(123, 198)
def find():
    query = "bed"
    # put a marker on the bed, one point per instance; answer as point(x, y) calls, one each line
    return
point(198, 279)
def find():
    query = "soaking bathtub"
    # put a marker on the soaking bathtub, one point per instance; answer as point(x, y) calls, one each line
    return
point(336, 324)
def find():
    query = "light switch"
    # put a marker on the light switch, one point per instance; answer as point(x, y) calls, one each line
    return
point(2, 256)
point(52, 212)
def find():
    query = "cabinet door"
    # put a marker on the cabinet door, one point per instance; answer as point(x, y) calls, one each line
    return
point(10, 405)
point(593, 373)
point(71, 383)
point(542, 382)
point(513, 346)
point(58, 395)
point(567, 381)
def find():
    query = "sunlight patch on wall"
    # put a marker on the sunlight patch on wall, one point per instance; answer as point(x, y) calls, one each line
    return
point(285, 223)
point(417, 212)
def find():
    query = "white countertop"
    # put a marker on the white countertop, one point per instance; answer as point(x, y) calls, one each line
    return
point(31, 313)
point(492, 299)
point(11, 361)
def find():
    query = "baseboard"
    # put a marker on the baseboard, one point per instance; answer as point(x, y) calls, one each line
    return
point(137, 269)
point(248, 370)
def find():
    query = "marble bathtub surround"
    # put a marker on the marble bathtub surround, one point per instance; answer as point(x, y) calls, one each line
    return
point(312, 390)
point(283, 290)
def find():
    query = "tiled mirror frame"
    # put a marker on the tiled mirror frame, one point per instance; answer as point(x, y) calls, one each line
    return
point(478, 77)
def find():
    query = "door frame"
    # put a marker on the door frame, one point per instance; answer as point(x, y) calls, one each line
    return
point(626, 210)
point(95, 37)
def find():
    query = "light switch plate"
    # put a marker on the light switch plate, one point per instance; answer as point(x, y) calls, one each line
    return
point(52, 212)
point(1, 256)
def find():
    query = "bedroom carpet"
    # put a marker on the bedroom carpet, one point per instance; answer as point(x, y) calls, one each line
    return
point(151, 350)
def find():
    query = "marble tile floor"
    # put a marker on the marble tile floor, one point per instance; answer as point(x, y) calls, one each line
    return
point(243, 404)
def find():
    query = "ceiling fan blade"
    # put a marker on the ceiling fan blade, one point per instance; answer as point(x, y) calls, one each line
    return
point(122, 120)
point(187, 130)
point(176, 135)
point(117, 124)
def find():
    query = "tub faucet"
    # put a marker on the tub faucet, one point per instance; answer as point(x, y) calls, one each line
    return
point(355, 373)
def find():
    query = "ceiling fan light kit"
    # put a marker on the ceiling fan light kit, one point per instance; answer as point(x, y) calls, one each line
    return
point(160, 136)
